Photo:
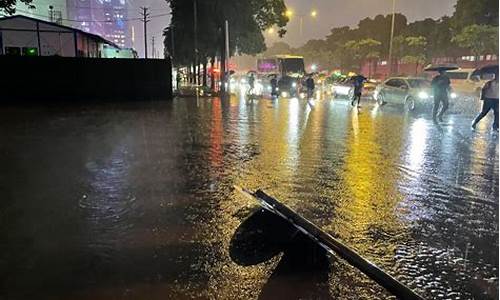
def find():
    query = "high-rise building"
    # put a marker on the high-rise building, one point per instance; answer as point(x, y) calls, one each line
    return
point(107, 18)
point(116, 27)
point(87, 15)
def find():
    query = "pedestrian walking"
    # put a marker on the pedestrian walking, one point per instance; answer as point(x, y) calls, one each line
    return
point(358, 82)
point(489, 95)
point(310, 85)
point(178, 79)
point(274, 86)
point(440, 89)
point(251, 83)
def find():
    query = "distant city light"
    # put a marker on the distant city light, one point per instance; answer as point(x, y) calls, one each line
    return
point(314, 13)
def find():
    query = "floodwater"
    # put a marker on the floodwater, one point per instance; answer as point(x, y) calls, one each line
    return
point(136, 200)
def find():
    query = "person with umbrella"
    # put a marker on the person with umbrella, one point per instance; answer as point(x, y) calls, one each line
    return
point(489, 96)
point(310, 86)
point(251, 83)
point(440, 88)
point(358, 82)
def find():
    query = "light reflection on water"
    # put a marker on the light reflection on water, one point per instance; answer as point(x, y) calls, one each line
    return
point(135, 199)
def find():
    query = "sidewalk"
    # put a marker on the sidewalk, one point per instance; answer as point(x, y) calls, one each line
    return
point(191, 90)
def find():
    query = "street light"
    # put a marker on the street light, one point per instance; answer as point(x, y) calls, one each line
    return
point(289, 13)
point(392, 36)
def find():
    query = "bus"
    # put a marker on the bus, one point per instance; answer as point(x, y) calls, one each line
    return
point(289, 70)
point(282, 65)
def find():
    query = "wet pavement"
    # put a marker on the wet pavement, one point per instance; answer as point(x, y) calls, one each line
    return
point(135, 200)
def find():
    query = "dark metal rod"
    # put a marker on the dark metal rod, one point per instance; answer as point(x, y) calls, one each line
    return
point(331, 244)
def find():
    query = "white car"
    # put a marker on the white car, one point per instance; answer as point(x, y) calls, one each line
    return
point(464, 83)
point(409, 91)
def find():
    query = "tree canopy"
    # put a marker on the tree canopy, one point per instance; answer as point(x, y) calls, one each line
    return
point(247, 19)
point(480, 39)
point(470, 12)
point(9, 6)
point(472, 29)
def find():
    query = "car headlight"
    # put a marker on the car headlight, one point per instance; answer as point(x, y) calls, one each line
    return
point(423, 95)
point(243, 81)
point(284, 94)
point(453, 95)
point(294, 84)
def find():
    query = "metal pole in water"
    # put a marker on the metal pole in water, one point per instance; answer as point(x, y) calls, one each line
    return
point(333, 245)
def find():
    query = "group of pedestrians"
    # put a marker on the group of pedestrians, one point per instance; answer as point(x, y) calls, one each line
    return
point(441, 88)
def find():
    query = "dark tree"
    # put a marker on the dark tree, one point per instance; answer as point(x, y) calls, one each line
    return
point(9, 6)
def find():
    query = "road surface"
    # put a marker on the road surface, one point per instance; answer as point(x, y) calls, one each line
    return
point(134, 200)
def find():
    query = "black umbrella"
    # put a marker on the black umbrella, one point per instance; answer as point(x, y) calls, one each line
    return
point(491, 69)
point(441, 67)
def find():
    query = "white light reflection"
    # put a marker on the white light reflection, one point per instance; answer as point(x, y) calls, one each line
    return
point(293, 133)
point(293, 123)
point(417, 144)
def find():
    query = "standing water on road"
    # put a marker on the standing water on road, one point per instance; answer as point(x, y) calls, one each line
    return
point(135, 200)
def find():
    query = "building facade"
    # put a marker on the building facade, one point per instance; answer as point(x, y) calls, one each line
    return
point(26, 36)
point(87, 15)
point(116, 27)
point(107, 18)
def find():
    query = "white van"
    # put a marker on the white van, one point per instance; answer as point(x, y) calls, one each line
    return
point(464, 83)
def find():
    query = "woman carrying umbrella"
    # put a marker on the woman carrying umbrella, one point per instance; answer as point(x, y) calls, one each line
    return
point(489, 95)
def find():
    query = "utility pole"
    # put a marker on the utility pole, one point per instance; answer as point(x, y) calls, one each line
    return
point(172, 52)
point(153, 52)
point(145, 20)
point(226, 45)
point(392, 36)
point(51, 13)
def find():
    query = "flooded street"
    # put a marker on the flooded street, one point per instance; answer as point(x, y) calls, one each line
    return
point(135, 200)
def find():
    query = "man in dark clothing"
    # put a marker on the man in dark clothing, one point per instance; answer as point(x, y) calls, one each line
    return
point(489, 95)
point(251, 83)
point(440, 89)
point(178, 79)
point(310, 87)
point(274, 86)
point(358, 82)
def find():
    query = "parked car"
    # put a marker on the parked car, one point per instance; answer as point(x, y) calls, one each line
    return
point(411, 92)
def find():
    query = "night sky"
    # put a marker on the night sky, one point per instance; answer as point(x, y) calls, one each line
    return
point(331, 13)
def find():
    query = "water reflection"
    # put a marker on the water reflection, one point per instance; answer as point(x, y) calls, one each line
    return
point(136, 200)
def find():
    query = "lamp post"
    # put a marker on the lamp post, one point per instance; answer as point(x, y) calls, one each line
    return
point(392, 36)
point(313, 14)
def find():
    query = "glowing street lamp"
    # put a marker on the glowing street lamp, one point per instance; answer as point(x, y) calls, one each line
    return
point(270, 30)
point(313, 14)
